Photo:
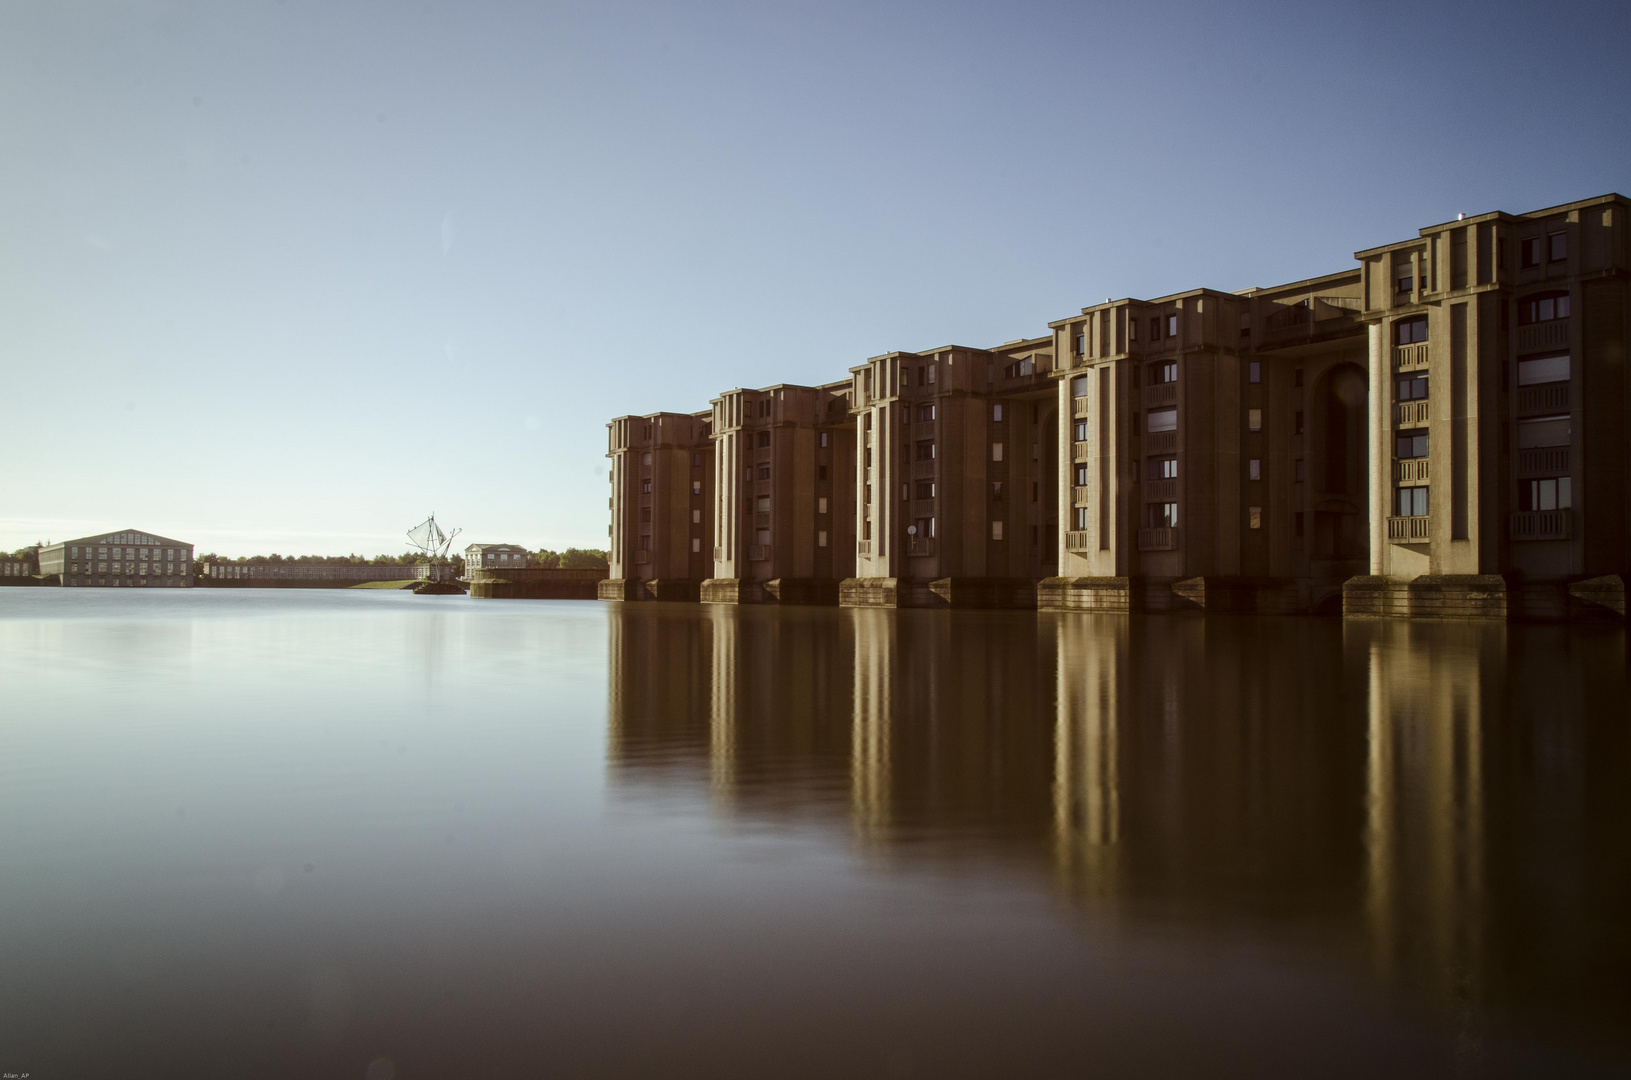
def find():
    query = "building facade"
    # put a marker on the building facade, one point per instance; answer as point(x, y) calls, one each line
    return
point(661, 502)
point(128, 558)
point(496, 556)
point(1439, 429)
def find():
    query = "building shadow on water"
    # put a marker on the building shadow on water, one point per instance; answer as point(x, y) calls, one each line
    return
point(1446, 806)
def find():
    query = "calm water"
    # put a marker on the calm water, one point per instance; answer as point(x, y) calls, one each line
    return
point(372, 835)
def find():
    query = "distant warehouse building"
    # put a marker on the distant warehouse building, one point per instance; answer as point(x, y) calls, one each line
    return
point(128, 558)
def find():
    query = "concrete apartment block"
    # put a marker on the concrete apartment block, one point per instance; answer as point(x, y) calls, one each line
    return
point(953, 477)
point(1437, 431)
point(1212, 450)
point(1501, 492)
point(783, 506)
point(661, 504)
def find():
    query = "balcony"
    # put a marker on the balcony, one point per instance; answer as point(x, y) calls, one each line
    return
point(1158, 539)
point(1161, 394)
point(1411, 414)
point(920, 545)
point(1538, 400)
point(1161, 490)
point(1408, 530)
point(1411, 471)
point(1081, 496)
point(1542, 525)
point(1078, 407)
point(1410, 357)
point(1161, 442)
point(1547, 461)
point(863, 548)
point(1079, 451)
point(1546, 335)
point(719, 553)
point(758, 553)
point(1077, 540)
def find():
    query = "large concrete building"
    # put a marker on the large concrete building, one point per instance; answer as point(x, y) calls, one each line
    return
point(127, 558)
point(1272, 450)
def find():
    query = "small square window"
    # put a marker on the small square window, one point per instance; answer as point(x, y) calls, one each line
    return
point(764, 472)
point(996, 530)
point(1254, 419)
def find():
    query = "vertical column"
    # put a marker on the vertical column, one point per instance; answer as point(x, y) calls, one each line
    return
point(1067, 513)
point(1381, 463)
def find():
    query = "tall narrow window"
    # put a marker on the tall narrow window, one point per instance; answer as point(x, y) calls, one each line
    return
point(1557, 247)
point(1254, 372)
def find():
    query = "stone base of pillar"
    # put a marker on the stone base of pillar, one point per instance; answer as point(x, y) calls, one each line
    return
point(1000, 594)
point(616, 589)
point(1237, 596)
point(819, 591)
point(1431, 596)
point(879, 592)
point(1598, 598)
point(1111, 595)
point(729, 590)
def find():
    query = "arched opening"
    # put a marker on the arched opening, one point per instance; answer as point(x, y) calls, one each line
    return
point(1339, 453)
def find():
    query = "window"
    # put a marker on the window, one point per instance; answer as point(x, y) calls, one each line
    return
point(696, 517)
point(645, 459)
point(1245, 324)
point(696, 487)
point(748, 473)
point(696, 544)
point(1550, 494)
point(1529, 249)
point(1297, 470)
point(762, 504)
point(1254, 372)
point(1163, 420)
point(1172, 326)
point(1543, 369)
point(763, 439)
point(996, 451)
point(1081, 344)
point(821, 538)
point(1544, 431)
point(1164, 373)
point(1254, 419)
point(821, 506)
point(1410, 331)
point(996, 530)
point(905, 492)
point(696, 461)
point(761, 537)
point(906, 415)
point(645, 541)
point(824, 440)
point(1163, 468)
point(1078, 431)
point(1155, 329)
point(1078, 386)
point(821, 472)
point(1405, 281)
point(1411, 388)
point(925, 412)
point(1080, 477)
point(1413, 502)
point(645, 513)
point(925, 450)
point(1557, 247)
point(1079, 518)
point(1543, 307)
point(764, 472)
point(925, 489)
point(1254, 517)
point(996, 490)
point(1410, 445)
point(1132, 329)
point(996, 414)
point(1254, 470)
point(1297, 423)
point(1162, 515)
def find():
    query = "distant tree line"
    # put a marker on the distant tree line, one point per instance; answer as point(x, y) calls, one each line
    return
point(570, 559)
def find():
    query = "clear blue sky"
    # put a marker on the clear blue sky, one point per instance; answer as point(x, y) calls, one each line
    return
point(289, 275)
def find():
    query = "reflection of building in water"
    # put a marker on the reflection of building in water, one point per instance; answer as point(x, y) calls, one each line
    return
point(1425, 790)
point(659, 677)
point(870, 735)
point(1086, 771)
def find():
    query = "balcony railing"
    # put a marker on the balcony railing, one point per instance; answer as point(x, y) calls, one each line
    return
point(1546, 335)
point(758, 552)
point(1161, 442)
point(1548, 461)
point(1079, 451)
point(863, 547)
point(1161, 394)
point(1410, 357)
point(1077, 540)
point(1081, 496)
point(1553, 397)
point(1411, 414)
point(920, 545)
point(1411, 471)
point(1408, 530)
point(1542, 525)
point(1158, 539)
point(1078, 407)
point(1161, 490)
point(719, 553)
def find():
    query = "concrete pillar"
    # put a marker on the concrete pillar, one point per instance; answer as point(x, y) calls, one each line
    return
point(1378, 410)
